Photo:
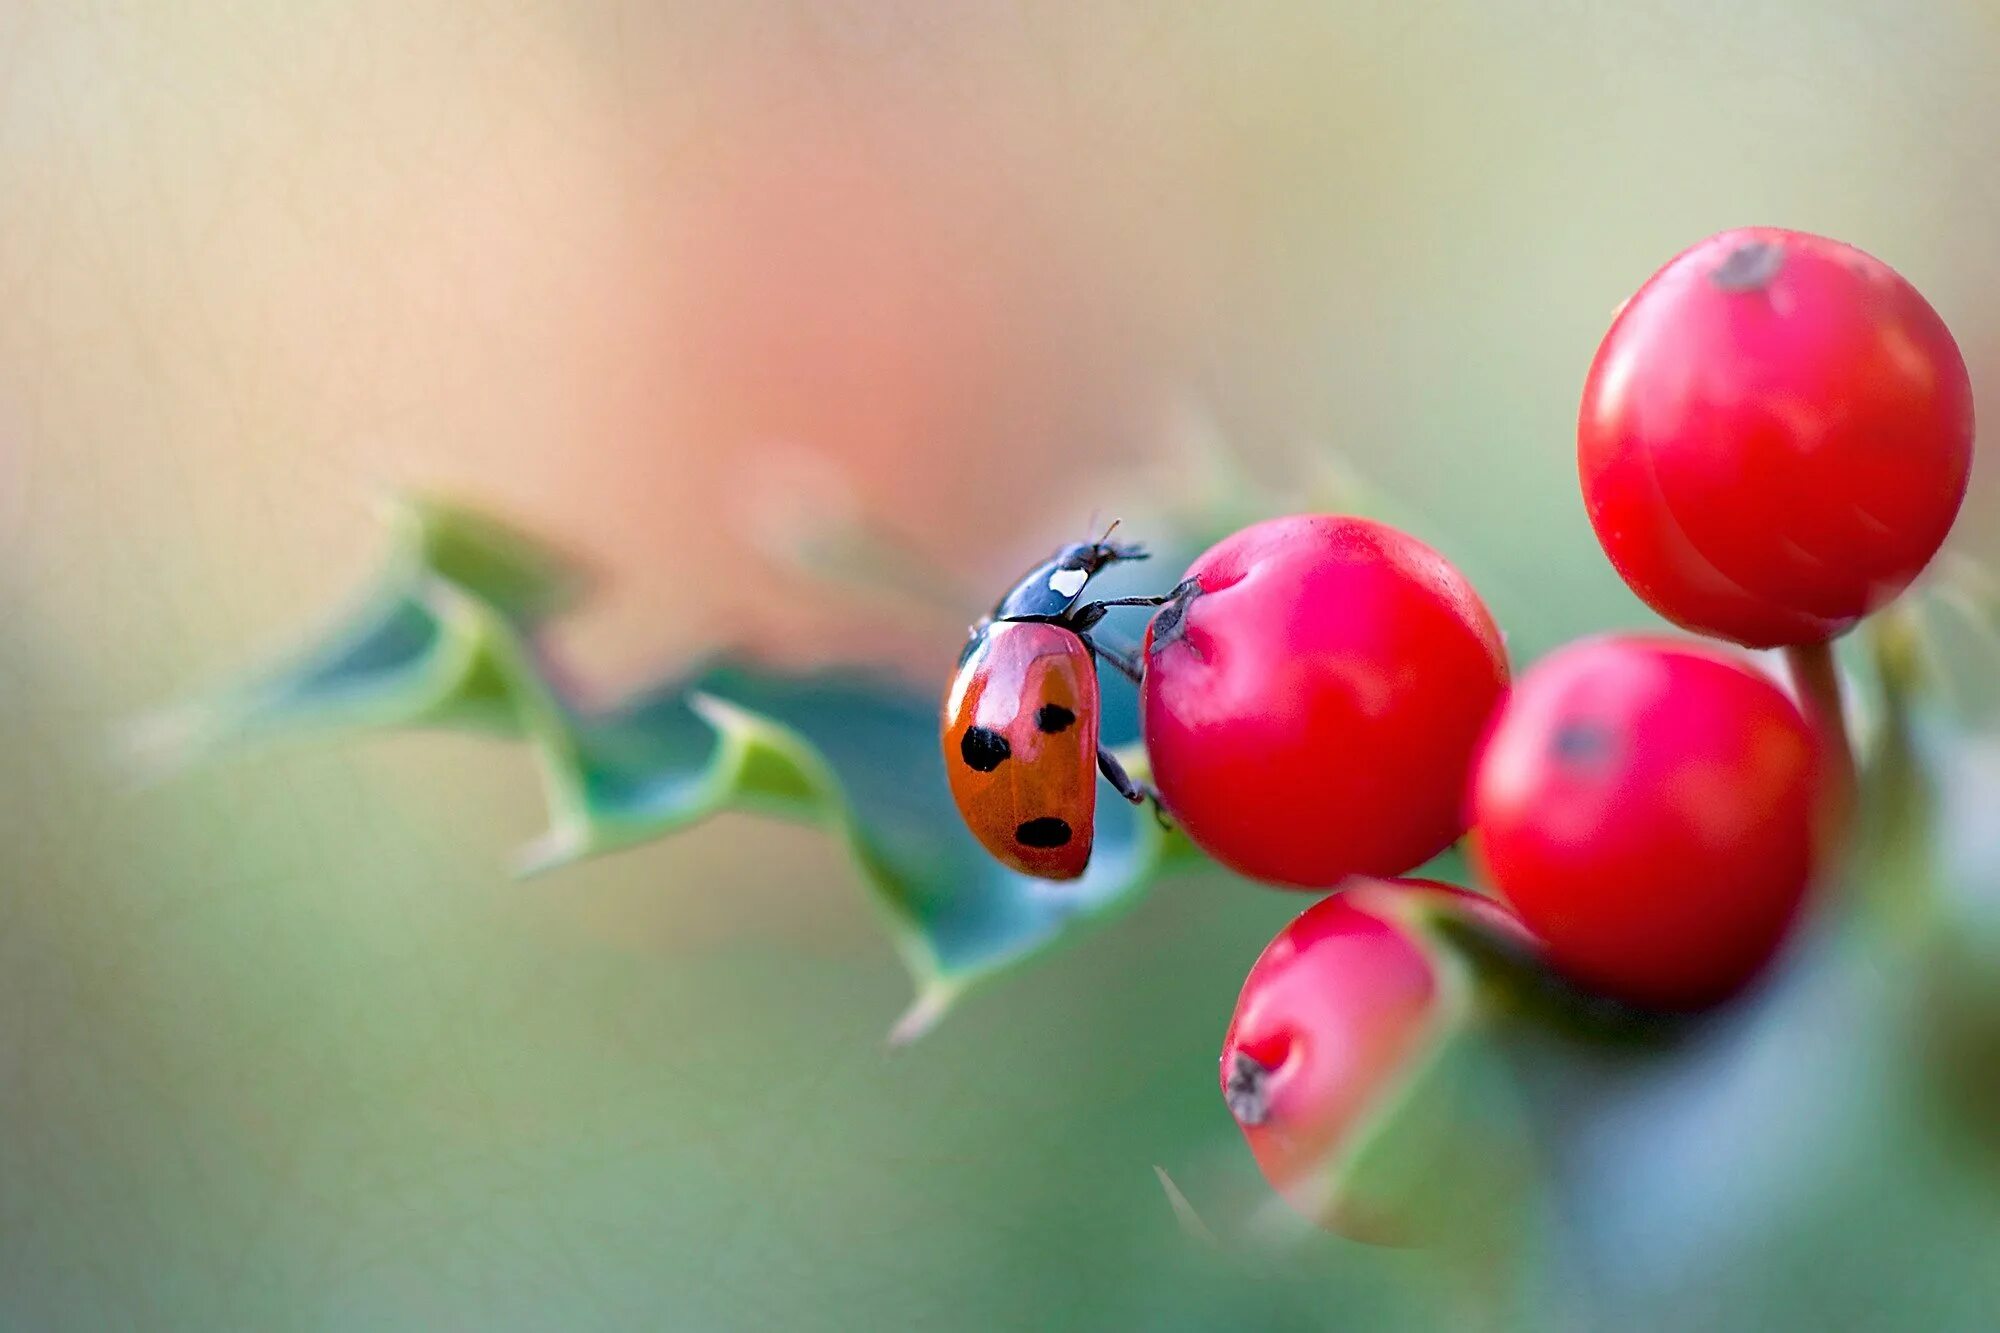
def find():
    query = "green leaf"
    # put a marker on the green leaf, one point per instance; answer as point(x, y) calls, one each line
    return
point(511, 572)
point(448, 638)
point(1930, 852)
point(861, 756)
point(437, 641)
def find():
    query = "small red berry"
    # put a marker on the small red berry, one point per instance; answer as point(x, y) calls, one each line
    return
point(1775, 437)
point(1649, 807)
point(1311, 707)
point(1334, 1021)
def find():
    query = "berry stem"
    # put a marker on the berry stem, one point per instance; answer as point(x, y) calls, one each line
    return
point(1817, 680)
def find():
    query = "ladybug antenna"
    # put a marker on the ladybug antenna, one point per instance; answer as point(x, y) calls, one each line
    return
point(1130, 551)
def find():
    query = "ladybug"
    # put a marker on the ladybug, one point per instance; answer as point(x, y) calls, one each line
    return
point(1020, 721)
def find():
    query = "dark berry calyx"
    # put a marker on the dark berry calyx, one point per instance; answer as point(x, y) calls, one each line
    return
point(1749, 267)
point(1247, 1090)
point(1170, 622)
point(1582, 743)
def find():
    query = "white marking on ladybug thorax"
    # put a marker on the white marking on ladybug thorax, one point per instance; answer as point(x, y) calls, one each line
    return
point(1068, 582)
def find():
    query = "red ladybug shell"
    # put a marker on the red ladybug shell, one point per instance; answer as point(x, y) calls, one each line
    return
point(1020, 746)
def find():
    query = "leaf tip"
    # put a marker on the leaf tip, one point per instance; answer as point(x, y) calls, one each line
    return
point(562, 845)
point(719, 713)
point(157, 745)
point(1184, 1212)
point(924, 1014)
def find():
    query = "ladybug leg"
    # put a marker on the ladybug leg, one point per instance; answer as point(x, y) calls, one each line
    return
point(1125, 664)
point(1085, 617)
point(1101, 607)
point(1114, 773)
point(1129, 787)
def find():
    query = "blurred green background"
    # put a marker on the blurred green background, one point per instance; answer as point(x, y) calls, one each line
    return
point(282, 1046)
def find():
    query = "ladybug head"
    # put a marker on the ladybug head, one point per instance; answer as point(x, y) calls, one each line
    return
point(1095, 555)
point(1050, 589)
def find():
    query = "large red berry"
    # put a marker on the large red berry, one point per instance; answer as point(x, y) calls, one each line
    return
point(1311, 706)
point(1343, 1009)
point(1648, 806)
point(1775, 437)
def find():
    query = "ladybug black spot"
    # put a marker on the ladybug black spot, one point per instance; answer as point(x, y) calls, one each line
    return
point(1048, 831)
point(1053, 718)
point(984, 749)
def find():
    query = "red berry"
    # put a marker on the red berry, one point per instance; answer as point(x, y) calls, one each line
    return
point(1311, 709)
point(1775, 437)
point(1335, 1019)
point(1649, 807)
